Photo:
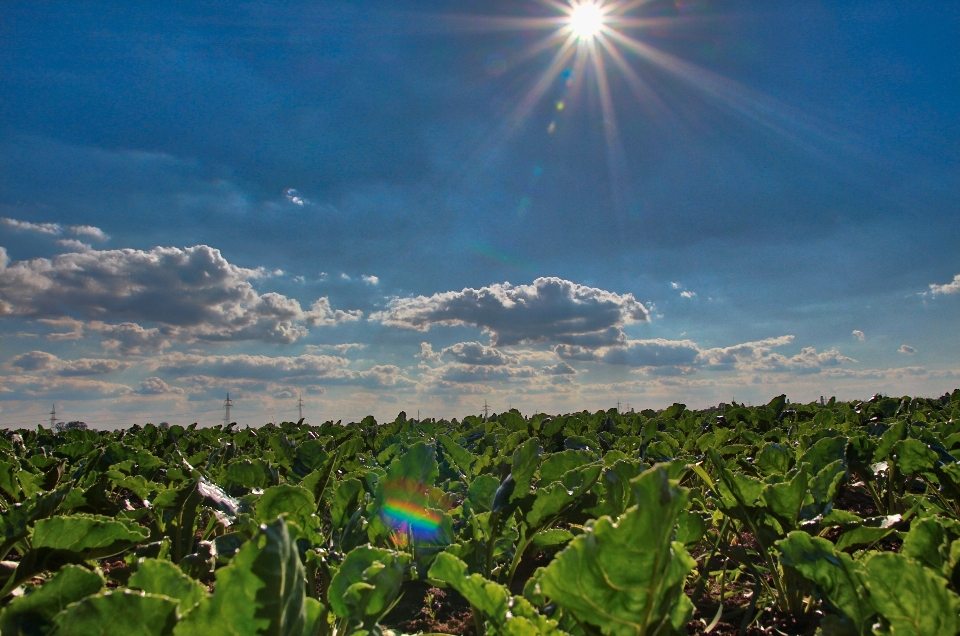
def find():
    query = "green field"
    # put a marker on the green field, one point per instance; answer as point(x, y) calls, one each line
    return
point(842, 517)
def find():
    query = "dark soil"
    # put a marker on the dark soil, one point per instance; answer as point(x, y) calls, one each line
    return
point(856, 500)
point(427, 609)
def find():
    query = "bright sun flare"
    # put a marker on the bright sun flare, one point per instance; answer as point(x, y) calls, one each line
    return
point(586, 20)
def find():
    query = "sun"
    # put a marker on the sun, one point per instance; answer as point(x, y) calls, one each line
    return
point(586, 21)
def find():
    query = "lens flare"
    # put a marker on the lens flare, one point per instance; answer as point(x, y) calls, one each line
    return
point(586, 21)
point(408, 509)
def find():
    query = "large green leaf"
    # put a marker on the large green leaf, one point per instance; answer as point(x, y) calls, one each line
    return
point(91, 534)
point(156, 576)
point(913, 456)
point(34, 611)
point(927, 542)
point(505, 615)
point(262, 591)
point(457, 455)
point(824, 452)
point(774, 458)
point(367, 584)
point(118, 613)
point(345, 498)
point(786, 499)
point(557, 465)
point(526, 460)
point(417, 465)
point(912, 598)
point(294, 501)
point(627, 577)
point(839, 577)
point(15, 522)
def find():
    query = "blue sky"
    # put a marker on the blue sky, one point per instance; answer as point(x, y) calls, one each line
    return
point(410, 205)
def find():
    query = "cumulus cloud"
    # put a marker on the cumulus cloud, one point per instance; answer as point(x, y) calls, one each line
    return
point(859, 335)
point(88, 231)
point(950, 288)
point(560, 368)
point(50, 386)
point(687, 294)
point(156, 386)
point(652, 353)
point(906, 350)
point(549, 310)
point(192, 292)
point(371, 280)
point(47, 363)
point(312, 369)
point(746, 354)
point(75, 245)
point(470, 373)
point(476, 353)
point(27, 226)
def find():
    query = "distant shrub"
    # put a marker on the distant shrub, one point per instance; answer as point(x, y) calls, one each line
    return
point(71, 426)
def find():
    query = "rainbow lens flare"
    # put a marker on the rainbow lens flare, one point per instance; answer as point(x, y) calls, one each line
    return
point(408, 510)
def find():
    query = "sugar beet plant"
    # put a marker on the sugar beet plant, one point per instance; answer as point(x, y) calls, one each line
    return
point(838, 517)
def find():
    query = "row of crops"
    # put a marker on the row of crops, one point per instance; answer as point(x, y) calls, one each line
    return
point(783, 518)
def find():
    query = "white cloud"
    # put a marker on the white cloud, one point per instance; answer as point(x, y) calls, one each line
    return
point(89, 231)
point(312, 369)
point(26, 226)
point(156, 386)
point(906, 350)
point(55, 229)
point(75, 245)
point(675, 285)
point(371, 280)
point(652, 353)
point(549, 310)
point(476, 353)
point(560, 368)
point(193, 293)
point(859, 335)
point(687, 294)
point(47, 363)
point(950, 288)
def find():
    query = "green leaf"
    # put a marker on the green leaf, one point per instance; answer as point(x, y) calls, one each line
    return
point(913, 456)
point(34, 611)
point(345, 498)
point(927, 542)
point(118, 613)
point(839, 577)
point(488, 597)
point(557, 465)
point(156, 576)
point(481, 493)
point(457, 455)
point(294, 501)
point(824, 485)
point(262, 591)
point(691, 528)
point(91, 534)
point(862, 536)
point(912, 598)
point(786, 499)
point(15, 522)
point(552, 538)
point(526, 460)
point(774, 459)
point(824, 452)
point(367, 584)
point(627, 577)
point(248, 473)
point(416, 465)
